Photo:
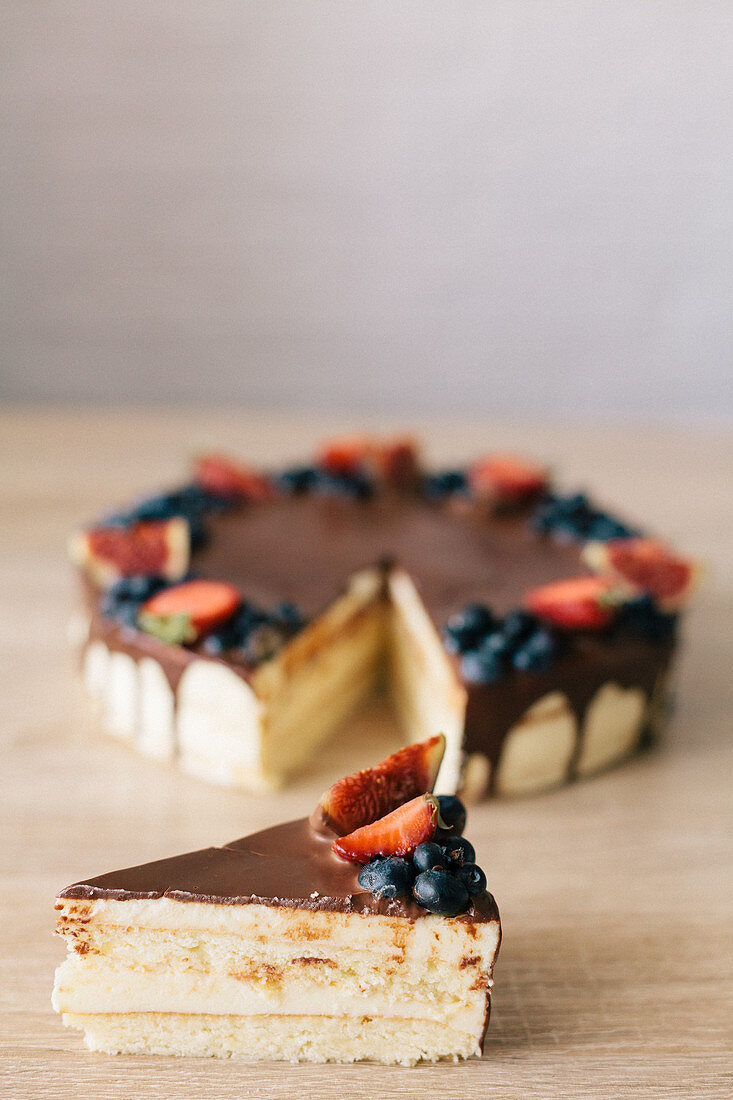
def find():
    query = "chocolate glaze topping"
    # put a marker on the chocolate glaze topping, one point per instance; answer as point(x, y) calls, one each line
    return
point(290, 865)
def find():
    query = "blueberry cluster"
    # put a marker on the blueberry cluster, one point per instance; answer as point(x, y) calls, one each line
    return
point(442, 875)
point(192, 502)
point(311, 479)
point(642, 616)
point(444, 483)
point(253, 634)
point(490, 646)
point(123, 599)
point(574, 517)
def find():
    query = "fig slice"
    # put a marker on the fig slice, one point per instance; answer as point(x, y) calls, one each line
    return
point(645, 565)
point(507, 478)
point(151, 548)
point(396, 834)
point(225, 476)
point(363, 797)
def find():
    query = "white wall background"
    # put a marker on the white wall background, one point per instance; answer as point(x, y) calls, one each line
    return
point(490, 205)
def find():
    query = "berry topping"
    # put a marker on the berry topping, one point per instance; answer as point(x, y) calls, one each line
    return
point(537, 653)
point(458, 851)
point(574, 517)
point(365, 796)
point(481, 666)
point(580, 603)
point(472, 877)
point(440, 892)
point(388, 878)
point(444, 483)
point(517, 626)
point(391, 461)
point(344, 455)
point(642, 616)
point(645, 565)
point(297, 479)
point(429, 855)
point(452, 812)
point(186, 611)
point(226, 477)
point(507, 479)
point(467, 626)
point(155, 548)
point(397, 834)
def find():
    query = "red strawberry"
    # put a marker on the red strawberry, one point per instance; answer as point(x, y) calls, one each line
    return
point(645, 565)
point(397, 834)
point(580, 603)
point(146, 549)
point(186, 611)
point(345, 455)
point(227, 477)
point(365, 796)
point(506, 478)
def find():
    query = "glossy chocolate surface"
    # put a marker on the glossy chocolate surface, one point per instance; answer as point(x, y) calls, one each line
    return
point(290, 865)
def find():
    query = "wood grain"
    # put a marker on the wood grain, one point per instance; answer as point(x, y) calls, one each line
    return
point(616, 894)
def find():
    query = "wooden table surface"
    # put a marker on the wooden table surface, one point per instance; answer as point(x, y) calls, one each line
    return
point(615, 976)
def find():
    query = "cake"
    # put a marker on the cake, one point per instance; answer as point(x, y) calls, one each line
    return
point(276, 947)
point(230, 625)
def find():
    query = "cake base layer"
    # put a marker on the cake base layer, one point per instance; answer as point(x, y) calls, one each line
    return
point(274, 1037)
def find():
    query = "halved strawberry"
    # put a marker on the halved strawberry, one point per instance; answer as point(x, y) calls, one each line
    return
point(365, 796)
point(645, 565)
point(397, 834)
point(147, 549)
point(225, 476)
point(507, 478)
point(186, 611)
point(345, 455)
point(579, 603)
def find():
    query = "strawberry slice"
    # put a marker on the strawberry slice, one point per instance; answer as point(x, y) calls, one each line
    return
point(397, 834)
point(148, 549)
point(580, 603)
point(506, 478)
point(365, 796)
point(645, 565)
point(228, 478)
point(186, 611)
point(345, 455)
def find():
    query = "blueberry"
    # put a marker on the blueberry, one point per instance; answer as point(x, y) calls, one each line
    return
point(643, 617)
point(467, 626)
point(517, 626)
point(537, 653)
point(453, 812)
point(127, 613)
point(262, 642)
point(387, 878)
point(429, 855)
point(440, 892)
point(478, 667)
point(297, 479)
point(472, 877)
point(353, 486)
point(497, 643)
point(443, 484)
point(566, 530)
point(459, 850)
point(289, 616)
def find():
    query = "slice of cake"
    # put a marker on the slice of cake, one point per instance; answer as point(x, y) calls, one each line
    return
point(295, 943)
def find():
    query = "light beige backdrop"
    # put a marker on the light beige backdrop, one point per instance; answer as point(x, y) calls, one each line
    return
point(490, 205)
